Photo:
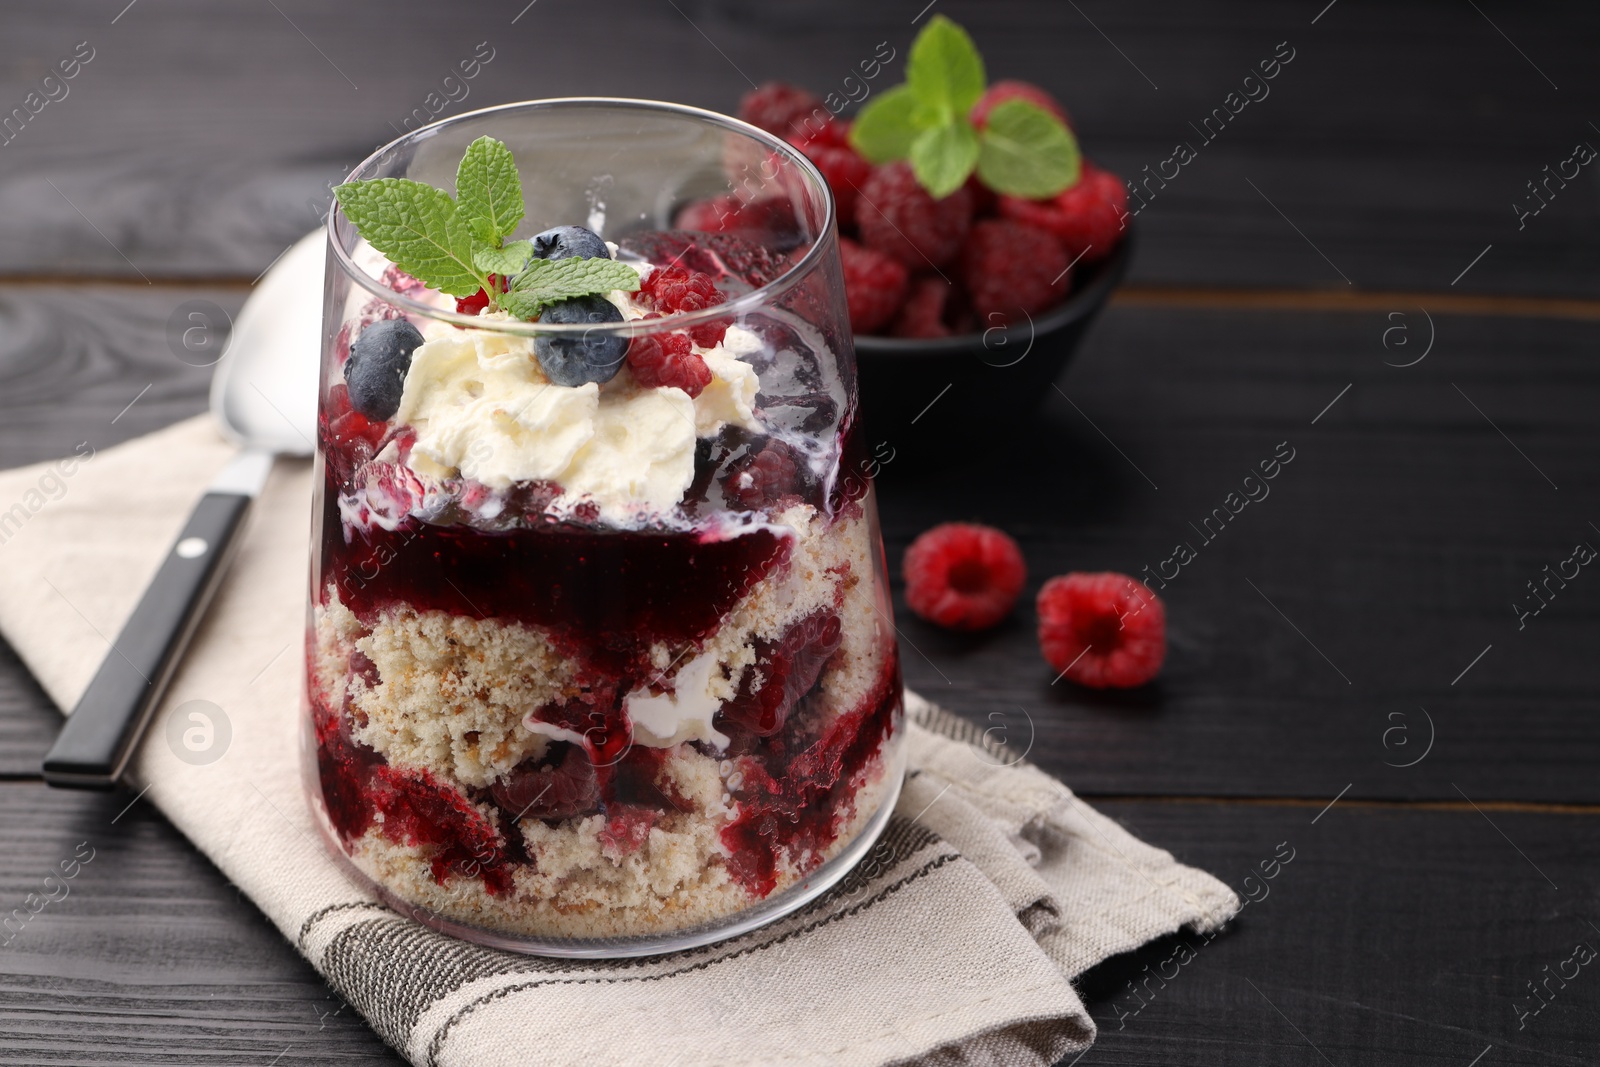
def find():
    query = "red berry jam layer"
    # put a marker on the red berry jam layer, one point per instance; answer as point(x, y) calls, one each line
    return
point(502, 762)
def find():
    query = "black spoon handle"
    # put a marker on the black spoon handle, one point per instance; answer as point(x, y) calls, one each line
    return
point(104, 729)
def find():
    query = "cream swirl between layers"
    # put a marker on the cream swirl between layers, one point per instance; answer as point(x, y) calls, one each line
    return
point(481, 407)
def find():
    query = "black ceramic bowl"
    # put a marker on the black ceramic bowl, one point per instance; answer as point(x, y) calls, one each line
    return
point(933, 399)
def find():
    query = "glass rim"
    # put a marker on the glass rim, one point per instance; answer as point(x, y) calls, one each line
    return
point(757, 298)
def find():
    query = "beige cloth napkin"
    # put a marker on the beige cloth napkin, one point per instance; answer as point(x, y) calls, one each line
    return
point(956, 942)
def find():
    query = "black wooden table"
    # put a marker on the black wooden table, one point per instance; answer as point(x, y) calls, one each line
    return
point(1372, 263)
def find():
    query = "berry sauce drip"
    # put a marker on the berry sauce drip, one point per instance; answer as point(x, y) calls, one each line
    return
point(793, 805)
point(416, 809)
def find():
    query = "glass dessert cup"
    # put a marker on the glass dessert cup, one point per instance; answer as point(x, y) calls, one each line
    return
point(603, 669)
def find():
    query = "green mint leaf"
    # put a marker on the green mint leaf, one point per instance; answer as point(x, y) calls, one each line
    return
point(942, 157)
point(503, 261)
point(1026, 151)
point(417, 227)
point(944, 69)
point(488, 191)
point(884, 130)
point(549, 281)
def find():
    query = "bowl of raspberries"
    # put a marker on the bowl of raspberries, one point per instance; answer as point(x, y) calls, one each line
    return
point(971, 272)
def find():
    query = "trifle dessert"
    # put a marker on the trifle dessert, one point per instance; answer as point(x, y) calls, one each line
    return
point(600, 657)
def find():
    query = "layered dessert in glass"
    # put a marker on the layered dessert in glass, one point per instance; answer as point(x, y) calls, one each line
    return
point(600, 658)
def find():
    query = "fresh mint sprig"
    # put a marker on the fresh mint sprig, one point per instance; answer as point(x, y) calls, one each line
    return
point(453, 244)
point(1023, 150)
point(489, 191)
point(550, 281)
point(418, 228)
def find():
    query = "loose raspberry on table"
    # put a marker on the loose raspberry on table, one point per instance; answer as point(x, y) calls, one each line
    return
point(895, 214)
point(1011, 269)
point(923, 314)
point(1010, 89)
point(1088, 219)
point(1102, 630)
point(963, 576)
point(668, 360)
point(776, 106)
point(874, 285)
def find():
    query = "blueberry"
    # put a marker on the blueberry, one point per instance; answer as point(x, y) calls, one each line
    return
point(564, 242)
point(594, 356)
point(375, 373)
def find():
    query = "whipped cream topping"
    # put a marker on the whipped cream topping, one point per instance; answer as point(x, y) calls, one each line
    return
point(481, 407)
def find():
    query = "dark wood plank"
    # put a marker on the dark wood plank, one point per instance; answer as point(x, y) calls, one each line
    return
point(1394, 936)
point(92, 365)
point(1395, 141)
point(28, 721)
point(1395, 541)
point(151, 956)
point(96, 364)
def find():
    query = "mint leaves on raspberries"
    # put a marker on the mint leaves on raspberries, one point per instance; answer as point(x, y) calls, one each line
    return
point(454, 244)
point(1022, 149)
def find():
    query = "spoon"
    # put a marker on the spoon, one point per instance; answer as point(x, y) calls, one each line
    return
point(264, 398)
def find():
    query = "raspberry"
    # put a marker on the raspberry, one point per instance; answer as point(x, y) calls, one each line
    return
point(709, 216)
point(776, 106)
point(1001, 91)
point(874, 285)
point(1087, 218)
point(670, 289)
point(923, 313)
point(474, 304)
point(1103, 630)
point(984, 199)
point(788, 668)
point(401, 282)
point(897, 216)
point(349, 438)
point(769, 222)
point(963, 576)
point(550, 789)
point(371, 312)
point(668, 360)
point(721, 255)
point(845, 171)
point(1009, 268)
point(818, 129)
point(764, 479)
